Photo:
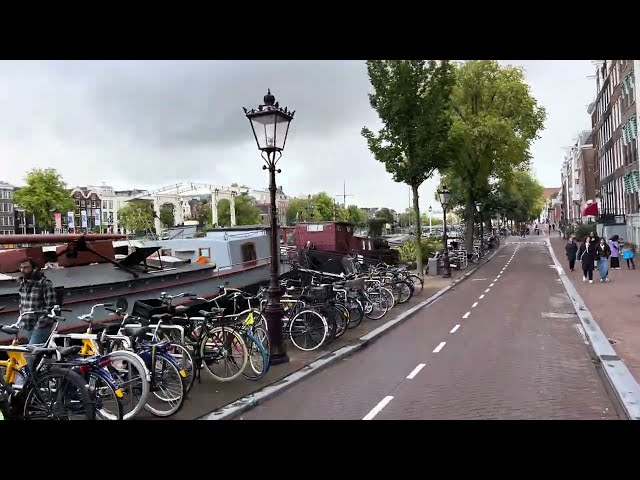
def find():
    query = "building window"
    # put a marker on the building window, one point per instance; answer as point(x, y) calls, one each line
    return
point(248, 252)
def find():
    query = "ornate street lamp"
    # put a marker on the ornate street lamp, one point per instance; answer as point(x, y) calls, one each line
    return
point(445, 195)
point(270, 125)
point(479, 209)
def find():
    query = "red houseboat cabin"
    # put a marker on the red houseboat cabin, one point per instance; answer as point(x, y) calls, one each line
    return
point(326, 236)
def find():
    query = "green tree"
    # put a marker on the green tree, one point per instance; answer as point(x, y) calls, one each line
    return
point(298, 210)
point(496, 121)
point(385, 215)
point(246, 212)
point(166, 216)
point(413, 100)
point(524, 196)
point(136, 215)
point(376, 225)
point(356, 216)
point(320, 208)
point(44, 194)
point(324, 208)
point(205, 215)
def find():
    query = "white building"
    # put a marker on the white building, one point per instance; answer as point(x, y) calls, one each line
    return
point(263, 200)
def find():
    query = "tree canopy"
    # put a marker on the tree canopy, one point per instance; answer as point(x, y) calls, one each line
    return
point(413, 101)
point(136, 215)
point(44, 194)
point(246, 212)
point(497, 119)
point(166, 216)
point(321, 208)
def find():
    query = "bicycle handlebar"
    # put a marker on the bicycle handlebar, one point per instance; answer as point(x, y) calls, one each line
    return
point(52, 313)
point(89, 316)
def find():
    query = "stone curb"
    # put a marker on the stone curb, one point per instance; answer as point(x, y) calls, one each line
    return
point(616, 373)
point(248, 402)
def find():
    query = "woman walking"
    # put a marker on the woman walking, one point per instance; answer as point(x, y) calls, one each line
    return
point(586, 254)
point(572, 251)
point(614, 245)
point(602, 255)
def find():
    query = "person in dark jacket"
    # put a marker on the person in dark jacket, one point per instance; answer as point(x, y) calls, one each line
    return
point(572, 252)
point(602, 255)
point(587, 256)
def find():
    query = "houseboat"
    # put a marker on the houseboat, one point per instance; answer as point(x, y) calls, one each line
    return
point(89, 269)
point(321, 245)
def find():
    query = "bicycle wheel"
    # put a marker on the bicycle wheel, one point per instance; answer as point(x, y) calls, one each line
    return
point(342, 318)
point(108, 405)
point(168, 390)
point(184, 359)
point(258, 357)
point(404, 291)
point(132, 377)
point(376, 304)
point(388, 294)
point(308, 330)
point(58, 394)
point(224, 346)
point(418, 283)
point(356, 313)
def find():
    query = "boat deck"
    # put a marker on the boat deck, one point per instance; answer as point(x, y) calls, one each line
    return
point(99, 274)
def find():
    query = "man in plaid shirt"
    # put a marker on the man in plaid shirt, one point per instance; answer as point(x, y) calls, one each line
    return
point(36, 292)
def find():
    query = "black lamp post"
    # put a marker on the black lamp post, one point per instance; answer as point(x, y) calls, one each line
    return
point(479, 209)
point(445, 195)
point(270, 125)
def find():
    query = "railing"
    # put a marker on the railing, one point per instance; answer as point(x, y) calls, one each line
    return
point(612, 219)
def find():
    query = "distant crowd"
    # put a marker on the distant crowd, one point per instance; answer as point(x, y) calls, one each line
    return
point(596, 252)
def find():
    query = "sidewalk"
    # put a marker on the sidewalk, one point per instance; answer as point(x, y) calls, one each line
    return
point(614, 305)
point(210, 396)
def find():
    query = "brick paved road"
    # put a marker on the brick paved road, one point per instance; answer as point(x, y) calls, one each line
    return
point(503, 359)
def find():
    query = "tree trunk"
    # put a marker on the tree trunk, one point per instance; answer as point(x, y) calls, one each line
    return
point(416, 208)
point(470, 212)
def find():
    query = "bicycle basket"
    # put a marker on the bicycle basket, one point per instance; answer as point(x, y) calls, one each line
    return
point(319, 294)
point(148, 307)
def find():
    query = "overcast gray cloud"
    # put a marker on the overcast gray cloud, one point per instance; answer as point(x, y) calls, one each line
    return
point(147, 124)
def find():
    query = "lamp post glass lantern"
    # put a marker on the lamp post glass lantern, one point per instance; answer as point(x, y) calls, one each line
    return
point(270, 126)
point(445, 196)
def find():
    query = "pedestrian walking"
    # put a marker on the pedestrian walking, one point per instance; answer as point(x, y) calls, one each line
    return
point(572, 252)
point(603, 252)
point(614, 245)
point(586, 254)
point(35, 293)
point(628, 252)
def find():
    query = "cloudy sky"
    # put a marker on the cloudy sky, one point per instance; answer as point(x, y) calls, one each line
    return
point(146, 124)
